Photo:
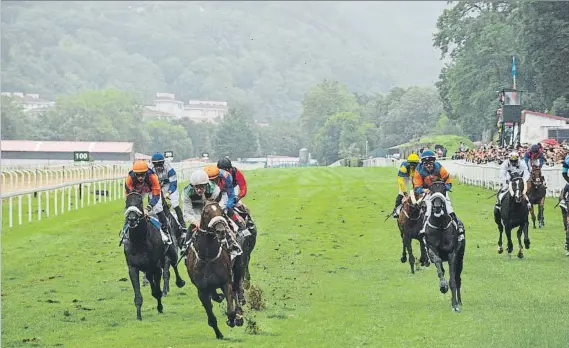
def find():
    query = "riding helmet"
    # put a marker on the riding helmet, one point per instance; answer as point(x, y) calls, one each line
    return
point(212, 171)
point(413, 158)
point(140, 166)
point(224, 163)
point(157, 158)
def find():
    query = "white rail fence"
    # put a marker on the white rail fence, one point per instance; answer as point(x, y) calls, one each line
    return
point(44, 193)
point(484, 175)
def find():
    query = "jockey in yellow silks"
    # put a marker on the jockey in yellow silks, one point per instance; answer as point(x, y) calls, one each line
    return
point(404, 178)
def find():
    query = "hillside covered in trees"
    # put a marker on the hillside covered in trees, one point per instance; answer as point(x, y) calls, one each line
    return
point(262, 54)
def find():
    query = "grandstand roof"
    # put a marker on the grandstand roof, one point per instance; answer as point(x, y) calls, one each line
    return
point(65, 146)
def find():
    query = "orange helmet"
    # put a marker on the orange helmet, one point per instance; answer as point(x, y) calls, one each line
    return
point(140, 166)
point(212, 171)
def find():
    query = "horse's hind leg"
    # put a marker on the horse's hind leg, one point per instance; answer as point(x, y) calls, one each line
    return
point(404, 251)
point(459, 267)
point(135, 280)
point(204, 296)
point(155, 285)
point(540, 216)
point(166, 276)
point(228, 292)
point(173, 257)
point(526, 236)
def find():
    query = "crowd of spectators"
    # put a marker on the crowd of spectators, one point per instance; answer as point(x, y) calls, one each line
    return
point(554, 153)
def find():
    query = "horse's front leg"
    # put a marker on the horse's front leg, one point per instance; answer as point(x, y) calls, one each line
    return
point(409, 246)
point(540, 216)
point(443, 285)
point(404, 251)
point(155, 286)
point(452, 281)
point(526, 235)
point(134, 275)
point(509, 238)
point(424, 258)
point(228, 292)
point(205, 298)
point(521, 248)
point(501, 232)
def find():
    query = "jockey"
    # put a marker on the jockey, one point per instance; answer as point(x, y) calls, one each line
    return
point(142, 179)
point(513, 165)
point(167, 177)
point(565, 169)
point(225, 182)
point(194, 197)
point(534, 157)
point(426, 173)
point(239, 183)
point(404, 177)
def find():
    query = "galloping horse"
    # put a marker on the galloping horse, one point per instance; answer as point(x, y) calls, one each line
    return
point(144, 251)
point(536, 195)
point(410, 222)
point(563, 202)
point(513, 213)
point(210, 266)
point(443, 243)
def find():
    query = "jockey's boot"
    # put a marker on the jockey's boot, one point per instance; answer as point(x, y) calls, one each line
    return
point(397, 208)
point(459, 223)
point(164, 228)
point(234, 247)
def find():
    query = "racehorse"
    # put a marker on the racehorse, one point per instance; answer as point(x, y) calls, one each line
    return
point(443, 243)
point(536, 195)
point(248, 245)
point(210, 266)
point(563, 201)
point(144, 251)
point(410, 222)
point(513, 213)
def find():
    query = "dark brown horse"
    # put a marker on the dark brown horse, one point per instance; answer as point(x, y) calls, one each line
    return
point(410, 222)
point(536, 195)
point(210, 266)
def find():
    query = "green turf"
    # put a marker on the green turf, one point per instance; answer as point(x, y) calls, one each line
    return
point(328, 265)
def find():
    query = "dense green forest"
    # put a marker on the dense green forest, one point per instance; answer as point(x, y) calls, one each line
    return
point(329, 78)
point(263, 54)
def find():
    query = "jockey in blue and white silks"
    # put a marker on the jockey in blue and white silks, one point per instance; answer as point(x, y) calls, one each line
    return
point(169, 185)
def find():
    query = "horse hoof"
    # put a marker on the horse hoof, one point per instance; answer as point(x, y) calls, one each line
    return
point(219, 336)
point(520, 255)
point(239, 322)
point(160, 309)
point(217, 298)
point(230, 323)
point(180, 284)
point(527, 243)
point(456, 309)
point(403, 259)
point(500, 250)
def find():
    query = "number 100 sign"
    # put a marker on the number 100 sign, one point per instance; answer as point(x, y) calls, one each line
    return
point(81, 156)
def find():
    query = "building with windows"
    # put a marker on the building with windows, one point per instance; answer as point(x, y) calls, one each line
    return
point(537, 126)
point(166, 106)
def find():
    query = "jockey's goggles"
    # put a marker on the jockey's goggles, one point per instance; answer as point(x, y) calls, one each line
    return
point(201, 187)
point(140, 175)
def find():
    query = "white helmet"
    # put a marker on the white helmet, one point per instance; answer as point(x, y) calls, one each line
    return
point(199, 177)
point(514, 155)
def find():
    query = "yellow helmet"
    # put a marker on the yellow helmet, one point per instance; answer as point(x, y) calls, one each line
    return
point(413, 158)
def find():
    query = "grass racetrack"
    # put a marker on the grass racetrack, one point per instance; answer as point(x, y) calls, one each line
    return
point(326, 261)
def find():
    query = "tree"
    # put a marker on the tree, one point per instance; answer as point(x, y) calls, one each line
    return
point(235, 136)
point(15, 123)
point(340, 136)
